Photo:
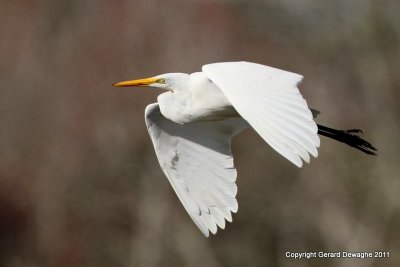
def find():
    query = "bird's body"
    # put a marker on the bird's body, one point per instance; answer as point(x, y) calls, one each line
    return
point(192, 125)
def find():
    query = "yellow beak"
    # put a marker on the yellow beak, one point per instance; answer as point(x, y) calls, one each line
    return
point(139, 82)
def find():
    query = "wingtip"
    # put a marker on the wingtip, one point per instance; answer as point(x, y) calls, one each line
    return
point(299, 163)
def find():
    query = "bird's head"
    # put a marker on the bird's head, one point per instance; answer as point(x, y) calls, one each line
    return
point(168, 81)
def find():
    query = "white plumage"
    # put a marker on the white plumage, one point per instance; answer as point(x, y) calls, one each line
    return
point(193, 123)
point(197, 160)
point(270, 101)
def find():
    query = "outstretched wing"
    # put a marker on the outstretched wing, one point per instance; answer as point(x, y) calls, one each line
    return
point(270, 101)
point(197, 160)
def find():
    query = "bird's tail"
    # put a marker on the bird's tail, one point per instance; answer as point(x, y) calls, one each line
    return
point(348, 137)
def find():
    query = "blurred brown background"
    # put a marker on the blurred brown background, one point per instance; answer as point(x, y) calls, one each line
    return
point(80, 184)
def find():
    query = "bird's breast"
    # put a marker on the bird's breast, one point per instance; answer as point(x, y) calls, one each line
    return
point(201, 100)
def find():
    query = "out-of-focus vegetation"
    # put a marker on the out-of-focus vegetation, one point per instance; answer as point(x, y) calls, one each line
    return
point(80, 184)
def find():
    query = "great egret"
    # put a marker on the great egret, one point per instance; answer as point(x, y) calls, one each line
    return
point(193, 123)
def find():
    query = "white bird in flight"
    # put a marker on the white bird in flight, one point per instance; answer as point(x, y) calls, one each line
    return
point(192, 125)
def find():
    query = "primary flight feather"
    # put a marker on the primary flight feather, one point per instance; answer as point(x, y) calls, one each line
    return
point(192, 125)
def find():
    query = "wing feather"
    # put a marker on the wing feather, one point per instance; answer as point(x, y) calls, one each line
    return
point(197, 160)
point(270, 101)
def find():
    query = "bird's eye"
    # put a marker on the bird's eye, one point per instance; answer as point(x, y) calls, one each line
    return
point(162, 80)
